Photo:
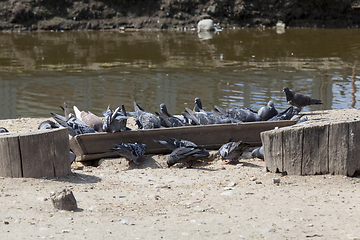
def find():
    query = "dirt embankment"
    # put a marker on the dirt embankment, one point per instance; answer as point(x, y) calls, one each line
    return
point(32, 15)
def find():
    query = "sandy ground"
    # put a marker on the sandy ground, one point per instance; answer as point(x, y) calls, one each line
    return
point(209, 201)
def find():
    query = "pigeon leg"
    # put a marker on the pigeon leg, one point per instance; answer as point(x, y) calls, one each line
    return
point(232, 162)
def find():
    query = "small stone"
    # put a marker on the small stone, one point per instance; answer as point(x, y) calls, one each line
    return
point(253, 179)
point(227, 193)
point(221, 168)
point(258, 182)
point(65, 231)
point(6, 222)
point(276, 180)
point(63, 200)
point(157, 197)
point(231, 184)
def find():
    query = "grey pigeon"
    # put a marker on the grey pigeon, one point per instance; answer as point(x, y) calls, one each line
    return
point(258, 153)
point(144, 119)
point(287, 114)
point(3, 130)
point(185, 155)
point(267, 111)
point(72, 157)
point(74, 125)
point(115, 121)
point(239, 113)
point(173, 143)
point(90, 119)
point(48, 124)
point(169, 120)
point(202, 118)
point(299, 100)
point(198, 105)
point(232, 151)
point(131, 151)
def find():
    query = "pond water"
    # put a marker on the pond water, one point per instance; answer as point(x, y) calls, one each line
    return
point(246, 67)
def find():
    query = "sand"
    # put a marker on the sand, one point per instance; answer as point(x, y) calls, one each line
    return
point(118, 200)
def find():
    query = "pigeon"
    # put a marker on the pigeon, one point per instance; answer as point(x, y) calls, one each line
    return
point(267, 111)
point(287, 114)
point(173, 143)
point(258, 153)
point(3, 130)
point(72, 157)
point(232, 151)
point(198, 105)
point(185, 155)
point(299, 100)
point(144, 119)
point(131, 151)
point(115, 121)
point(74, 125)
point(168, 120)
point(202, 118)
point(48, 124)
point(90, 119)
point(239, 113)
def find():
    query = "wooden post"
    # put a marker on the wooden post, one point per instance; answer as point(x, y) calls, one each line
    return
point(314, 148)
point(10, 159)
point(40, 153)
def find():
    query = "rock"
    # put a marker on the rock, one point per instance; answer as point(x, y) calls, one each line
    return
point(276, 180)
point(206, 25)
point(63, 200)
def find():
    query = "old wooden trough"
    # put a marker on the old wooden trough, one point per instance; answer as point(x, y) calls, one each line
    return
point(310, 148)
point(99, 145)
point(40, 153)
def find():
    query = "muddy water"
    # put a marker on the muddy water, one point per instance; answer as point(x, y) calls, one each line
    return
point(38, 71)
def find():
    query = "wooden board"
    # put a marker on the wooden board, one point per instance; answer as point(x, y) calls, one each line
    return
point(99, 145)
point(10, 158)
point(314, 148)
point(40, 153)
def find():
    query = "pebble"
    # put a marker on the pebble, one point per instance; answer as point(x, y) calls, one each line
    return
point(231, 184)
point(63, 200)
point(276, 180)
point(65, 231)
point(227, 193)
point(258, 182)
point(253, 179)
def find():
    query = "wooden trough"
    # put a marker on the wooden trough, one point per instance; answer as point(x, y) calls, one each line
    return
point(314, 148)
point(99, 145)
point(40, 153)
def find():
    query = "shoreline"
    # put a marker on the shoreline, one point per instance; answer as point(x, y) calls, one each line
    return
point(27, 15)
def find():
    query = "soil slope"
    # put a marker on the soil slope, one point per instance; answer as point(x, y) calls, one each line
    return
point(31, 15)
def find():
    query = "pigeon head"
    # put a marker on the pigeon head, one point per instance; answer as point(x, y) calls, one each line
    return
point(286, 89)
point(198, 103)
point(163, 107)
point(270, 104)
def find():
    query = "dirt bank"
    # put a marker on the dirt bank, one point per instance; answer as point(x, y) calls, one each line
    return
point(32, 15)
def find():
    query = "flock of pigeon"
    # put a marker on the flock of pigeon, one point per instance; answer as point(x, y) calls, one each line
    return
point(183, 151)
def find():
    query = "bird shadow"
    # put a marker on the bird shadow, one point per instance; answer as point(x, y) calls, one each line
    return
point(247, 164)
point(78, 178)
point(149, 161)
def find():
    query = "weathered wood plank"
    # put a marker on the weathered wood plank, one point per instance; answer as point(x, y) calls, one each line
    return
point(338, 148)
point(45, 153)
point(272, 147)
point(353, 164)
point(293, 150)
point(315, 150)
point(10, 159)
point(210, 137)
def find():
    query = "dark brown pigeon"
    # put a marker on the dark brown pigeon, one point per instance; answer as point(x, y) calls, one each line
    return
point(299, 100)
